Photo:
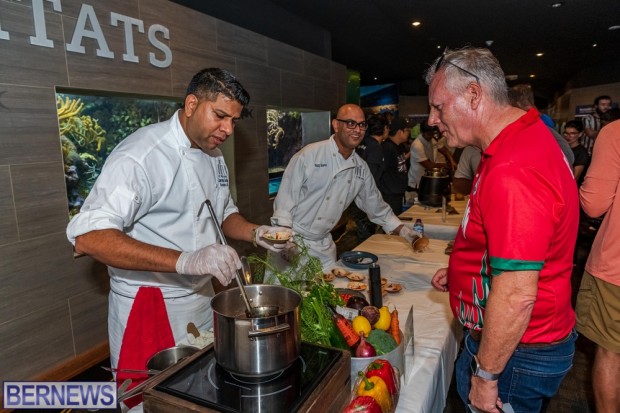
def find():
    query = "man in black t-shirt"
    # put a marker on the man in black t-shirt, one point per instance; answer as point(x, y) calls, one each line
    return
point(393, 181)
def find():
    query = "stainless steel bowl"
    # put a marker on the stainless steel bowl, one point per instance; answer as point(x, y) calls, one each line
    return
point(169, 357)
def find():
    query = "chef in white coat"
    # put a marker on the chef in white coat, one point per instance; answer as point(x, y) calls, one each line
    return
point(320, 182)
point(142, 216)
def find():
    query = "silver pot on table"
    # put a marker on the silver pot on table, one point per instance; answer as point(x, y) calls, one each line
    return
point(256, 346)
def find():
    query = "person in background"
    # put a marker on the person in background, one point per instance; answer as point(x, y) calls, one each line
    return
point(424, 153)
point(509, 271)
point(393, 181)
point(465, 171)
point(592, 122)
point(573, 132)
point(598, 300)
point(322, 179)
point(522, 96)
point(370, 150)
point(610, 116)
point(142, 218)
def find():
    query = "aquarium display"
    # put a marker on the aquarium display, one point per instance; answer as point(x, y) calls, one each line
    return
point(379, 99)
point(288, 130)
point(91, 126)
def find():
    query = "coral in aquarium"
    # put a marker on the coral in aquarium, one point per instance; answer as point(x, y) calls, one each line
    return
point(91, 127)
point(284, 137)
point(80, 136)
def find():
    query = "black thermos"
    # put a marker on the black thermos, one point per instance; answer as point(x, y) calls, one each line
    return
point(374, 284)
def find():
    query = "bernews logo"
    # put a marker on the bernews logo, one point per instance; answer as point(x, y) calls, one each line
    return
point(59, 395)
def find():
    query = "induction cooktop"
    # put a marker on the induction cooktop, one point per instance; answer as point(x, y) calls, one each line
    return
point(206, 383)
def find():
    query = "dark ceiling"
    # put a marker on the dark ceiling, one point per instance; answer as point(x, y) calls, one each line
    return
point(377, 39)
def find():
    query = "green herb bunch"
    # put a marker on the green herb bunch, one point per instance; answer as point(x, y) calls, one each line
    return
point(304, 274)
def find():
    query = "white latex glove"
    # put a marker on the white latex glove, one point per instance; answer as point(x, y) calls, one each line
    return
point(408, 234)
point(218, 260)
point(275, 247)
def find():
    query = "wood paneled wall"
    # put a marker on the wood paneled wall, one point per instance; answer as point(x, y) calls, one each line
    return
point(53, 308)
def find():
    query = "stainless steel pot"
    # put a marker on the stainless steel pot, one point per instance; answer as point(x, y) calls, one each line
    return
point(256, 346)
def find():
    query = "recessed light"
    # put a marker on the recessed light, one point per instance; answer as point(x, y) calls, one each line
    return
point(375, 78)
point(416, 23)
point(594, 45)
point(532, 75)
point(439, 46)
point(557, 4)
point(539, 54)
point(616, 27)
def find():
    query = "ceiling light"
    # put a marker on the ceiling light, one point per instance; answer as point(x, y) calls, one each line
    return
point(532, 75)
point(416, 23)
point(439, 46)
point(616, 27)
point(489, 43)
point(539, 54)
point(375, 78)
point(557, 4)
point(512, 77)
point(594, 45)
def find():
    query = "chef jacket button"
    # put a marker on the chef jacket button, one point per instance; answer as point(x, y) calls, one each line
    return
point(327, 199)
point(318, 219)
point(349, 181)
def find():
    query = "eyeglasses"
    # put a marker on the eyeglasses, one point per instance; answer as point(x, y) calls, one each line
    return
point(351, 124)
point(442, 60)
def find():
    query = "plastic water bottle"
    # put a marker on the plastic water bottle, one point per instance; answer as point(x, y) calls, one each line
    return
point(419, 227)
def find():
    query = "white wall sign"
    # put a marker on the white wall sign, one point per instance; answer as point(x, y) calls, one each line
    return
point(88, 26)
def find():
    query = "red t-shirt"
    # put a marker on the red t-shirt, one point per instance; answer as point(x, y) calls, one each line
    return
point(522, 215)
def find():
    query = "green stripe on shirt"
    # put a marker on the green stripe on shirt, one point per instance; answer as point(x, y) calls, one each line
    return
point(499, 265)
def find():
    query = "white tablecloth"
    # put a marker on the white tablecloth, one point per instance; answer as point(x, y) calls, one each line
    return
point(436, 333)
point(434, 215)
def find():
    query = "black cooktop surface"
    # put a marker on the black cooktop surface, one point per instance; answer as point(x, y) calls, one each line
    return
point(206, 383)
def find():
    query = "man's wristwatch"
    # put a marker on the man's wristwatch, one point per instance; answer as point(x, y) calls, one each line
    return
point(478, 372)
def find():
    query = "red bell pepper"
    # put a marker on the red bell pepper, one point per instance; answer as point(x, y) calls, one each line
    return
point(382, 368)
point(363, 404)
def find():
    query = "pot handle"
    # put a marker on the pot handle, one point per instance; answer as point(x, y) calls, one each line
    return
point(269, 330)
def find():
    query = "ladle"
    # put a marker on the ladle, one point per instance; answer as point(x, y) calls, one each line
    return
point(251, 312)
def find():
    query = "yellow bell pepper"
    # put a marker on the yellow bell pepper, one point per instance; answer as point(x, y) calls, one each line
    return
point(376, 388)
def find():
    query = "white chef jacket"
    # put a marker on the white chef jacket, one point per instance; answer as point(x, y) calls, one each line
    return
point(317, 186)
point(151, 188)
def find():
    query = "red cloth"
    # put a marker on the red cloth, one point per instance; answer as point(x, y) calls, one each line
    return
point(147, 332)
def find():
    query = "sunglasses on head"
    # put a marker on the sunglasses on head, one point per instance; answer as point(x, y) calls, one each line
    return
point(443, 60)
